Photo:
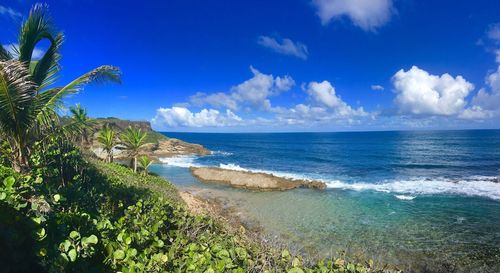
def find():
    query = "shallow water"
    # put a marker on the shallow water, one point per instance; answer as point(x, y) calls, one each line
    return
point(421, 200)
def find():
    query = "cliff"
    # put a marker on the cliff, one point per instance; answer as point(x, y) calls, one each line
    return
point(158, 145)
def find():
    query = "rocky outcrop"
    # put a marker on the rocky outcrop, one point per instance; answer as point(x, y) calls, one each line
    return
point(251, 181)
point(158, 144)
point(173, 147)
point(121, 124)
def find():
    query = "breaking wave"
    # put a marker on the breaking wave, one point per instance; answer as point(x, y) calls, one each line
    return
point(480, 186)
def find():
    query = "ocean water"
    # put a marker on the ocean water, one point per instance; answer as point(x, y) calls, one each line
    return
point(426, 201)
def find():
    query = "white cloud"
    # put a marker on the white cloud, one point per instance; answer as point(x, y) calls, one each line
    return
point(421, 93)
point(494, 32)
point(327, 107)
point(324, 94)
point(254, 92)
point(476, 112)
point(489, 101)
point(284, 46)
point(377, 87)
point(366, 14)
point(10, 12)
point(12, 49)
point(176, 117)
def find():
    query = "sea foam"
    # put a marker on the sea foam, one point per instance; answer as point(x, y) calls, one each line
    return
point(472, 186)
point(480, 186)
point(183, 161)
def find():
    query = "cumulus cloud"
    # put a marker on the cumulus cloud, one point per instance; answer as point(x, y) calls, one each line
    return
point(13, 50)
point(10, 12)
point(366, 14)
point(254, 92)
point(176, 117)
point(284, 46)
point(324, 94)
point(377, 87)
point(326, 107)
point(421, 93)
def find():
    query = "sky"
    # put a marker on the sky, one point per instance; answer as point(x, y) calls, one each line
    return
point(283, 65)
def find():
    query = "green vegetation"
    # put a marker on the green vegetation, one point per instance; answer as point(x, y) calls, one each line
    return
point(132, 141)
point(28, 98)
point(106, 137)
point(145, 162)
point(83, 123)
point(120, 125)
point(63, 211)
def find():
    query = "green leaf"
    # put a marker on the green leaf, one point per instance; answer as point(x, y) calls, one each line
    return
point(92, 239)
point(41, 233)
point(72, 255)
point(296, 262)
point(295, 270)
point(119, 254)
point(74, 234)
point(57, 197)
point(3, 195)
point(64, 246)
point(9, 181)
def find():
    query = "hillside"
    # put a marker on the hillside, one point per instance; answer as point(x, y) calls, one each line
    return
point(158, 145)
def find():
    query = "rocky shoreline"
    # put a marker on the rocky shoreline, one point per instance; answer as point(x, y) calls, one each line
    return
point(158, 145)
point(251, 180)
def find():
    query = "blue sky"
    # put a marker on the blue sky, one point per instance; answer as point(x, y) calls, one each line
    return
point(305, 65)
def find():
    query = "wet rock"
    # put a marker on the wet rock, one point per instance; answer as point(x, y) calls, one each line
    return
point(251, 180)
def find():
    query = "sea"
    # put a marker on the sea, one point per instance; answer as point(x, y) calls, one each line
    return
point(424, 201)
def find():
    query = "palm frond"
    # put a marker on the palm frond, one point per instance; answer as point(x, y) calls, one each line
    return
point(45, 70)
point(4, 54)
point(101, 74)
point(132, 140)
point(17, 93)
point(37, 27)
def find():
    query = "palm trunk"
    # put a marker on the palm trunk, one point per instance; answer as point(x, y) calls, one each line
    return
point(135, 164)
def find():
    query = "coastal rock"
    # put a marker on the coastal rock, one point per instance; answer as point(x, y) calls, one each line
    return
point(173, 147)
point(250, 180)
point(159, 145)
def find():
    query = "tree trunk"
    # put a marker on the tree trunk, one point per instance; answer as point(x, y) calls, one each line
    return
point(135, 164)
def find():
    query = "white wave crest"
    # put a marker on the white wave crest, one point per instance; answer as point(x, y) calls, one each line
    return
point(481, 186)
point(183, 161)
point(232, 167)
point(221, 153)
point(484, 187)
point(405, 197)
point(235, 167)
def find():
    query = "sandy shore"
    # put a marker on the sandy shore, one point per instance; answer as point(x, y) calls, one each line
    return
point(250, 180)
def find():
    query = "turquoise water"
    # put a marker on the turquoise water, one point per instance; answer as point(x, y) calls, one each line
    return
point(425, 201)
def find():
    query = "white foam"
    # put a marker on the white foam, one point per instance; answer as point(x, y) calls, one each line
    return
point(472, 186)
point(232, 167)
point(481, 186)
point(235, 167)
point(221, 153)
point(404, 197)
point(183, 161)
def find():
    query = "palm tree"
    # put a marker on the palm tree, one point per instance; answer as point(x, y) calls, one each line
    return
point(133, 140)
point(145, 162)
point(107, 138)
point(28, 99)
point(82, 123)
